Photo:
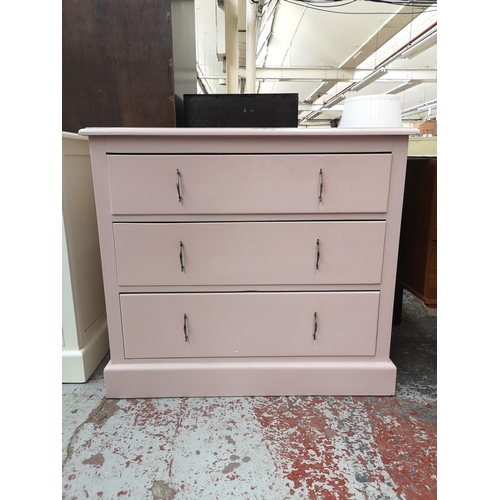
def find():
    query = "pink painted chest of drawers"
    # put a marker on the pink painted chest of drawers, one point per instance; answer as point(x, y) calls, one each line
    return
point(249, 261)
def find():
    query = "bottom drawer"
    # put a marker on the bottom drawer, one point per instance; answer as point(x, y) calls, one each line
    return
point(185, 325)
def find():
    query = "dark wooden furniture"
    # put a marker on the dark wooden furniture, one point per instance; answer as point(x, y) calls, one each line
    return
point(417, 261)
point(118, 62)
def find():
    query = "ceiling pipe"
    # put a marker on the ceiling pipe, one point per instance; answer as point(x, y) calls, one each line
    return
point(251, 45)
point(231, 36)
point(398, 53)
point(420, 47)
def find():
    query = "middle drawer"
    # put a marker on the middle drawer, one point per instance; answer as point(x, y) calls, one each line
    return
point(249, 253)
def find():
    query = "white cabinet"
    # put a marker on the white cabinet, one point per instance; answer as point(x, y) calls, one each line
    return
point(84, 327)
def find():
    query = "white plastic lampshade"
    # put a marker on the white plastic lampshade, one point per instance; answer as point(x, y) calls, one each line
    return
point(379, 111)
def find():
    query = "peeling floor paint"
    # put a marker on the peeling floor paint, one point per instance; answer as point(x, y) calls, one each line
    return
point(262, 448)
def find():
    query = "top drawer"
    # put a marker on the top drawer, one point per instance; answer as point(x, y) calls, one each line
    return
point(248, 184)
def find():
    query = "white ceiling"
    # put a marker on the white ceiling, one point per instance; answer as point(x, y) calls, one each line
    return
point(319, 50)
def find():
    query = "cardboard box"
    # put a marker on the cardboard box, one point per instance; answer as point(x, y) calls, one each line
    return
point(426, 127)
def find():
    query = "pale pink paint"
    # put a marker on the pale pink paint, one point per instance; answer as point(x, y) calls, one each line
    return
point(250, 184)
point(250, 377)
point(140, 261)
point(250, 253)
point(249, 324)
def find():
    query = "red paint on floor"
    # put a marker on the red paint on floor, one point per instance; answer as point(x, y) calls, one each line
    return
point(301, 432)
point(407, 442)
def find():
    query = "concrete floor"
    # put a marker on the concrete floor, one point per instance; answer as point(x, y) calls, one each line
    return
point(262, 448)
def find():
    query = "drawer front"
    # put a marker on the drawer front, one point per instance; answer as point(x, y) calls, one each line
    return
point(249, 253)
point(248, 184)
point(249, 324)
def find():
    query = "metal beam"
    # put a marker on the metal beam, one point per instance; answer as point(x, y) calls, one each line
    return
point(336, 75)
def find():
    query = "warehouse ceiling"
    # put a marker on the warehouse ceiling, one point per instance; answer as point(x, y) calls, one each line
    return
point(325, 51)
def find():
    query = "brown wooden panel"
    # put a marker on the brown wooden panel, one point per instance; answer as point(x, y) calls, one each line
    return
point(434, 222)
point(418, 227)
point(431, 281)
point(116, 64)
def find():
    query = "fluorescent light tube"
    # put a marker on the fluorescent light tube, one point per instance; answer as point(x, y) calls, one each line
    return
point(375, 75)
point(404, 86)
point(334, 100)
point(420, 46)
point(420, 107)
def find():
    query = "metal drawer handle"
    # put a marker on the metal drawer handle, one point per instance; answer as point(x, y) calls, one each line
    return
point(320, 184)
point(317, 253)
point(178, 183)
point(181, 256)
point(185, 328)
point(315, 325)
